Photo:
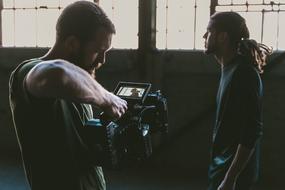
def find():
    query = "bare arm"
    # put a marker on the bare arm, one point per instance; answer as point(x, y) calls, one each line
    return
point(240, 160)
point(61, 79)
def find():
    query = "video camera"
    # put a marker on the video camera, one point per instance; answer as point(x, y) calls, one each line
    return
point(127, 140)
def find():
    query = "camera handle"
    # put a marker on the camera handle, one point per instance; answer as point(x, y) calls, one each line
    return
point(105, 119)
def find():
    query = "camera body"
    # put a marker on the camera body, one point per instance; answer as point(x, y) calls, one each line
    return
point(128, 140)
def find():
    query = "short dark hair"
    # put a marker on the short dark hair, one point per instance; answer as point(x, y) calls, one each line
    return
point(82, 19)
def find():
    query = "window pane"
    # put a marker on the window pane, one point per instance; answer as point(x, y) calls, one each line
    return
point(239, 1)
point(8, 3)
point(253, 22)
point(271, 35)
point(270, 29)
point(8, 28)
point(25, 28)
point(64, 3)
point(222, 8)
point(176, 27)
point(46, 27)
point(259, 7)
point(161, 24)
point(126, 33)
point(282, 7)
point(25, 4)
point(276, 1)
point(47, 3)
point(178, 30)
point(107, 5)
point(281, 40)
point(181, 24)
point(232, 8)
point(203, 16)
point(221, 2)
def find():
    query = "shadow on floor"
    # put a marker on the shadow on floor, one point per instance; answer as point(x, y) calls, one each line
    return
point(12, 177)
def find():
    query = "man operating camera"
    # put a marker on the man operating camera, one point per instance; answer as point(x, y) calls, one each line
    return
point(51, 100)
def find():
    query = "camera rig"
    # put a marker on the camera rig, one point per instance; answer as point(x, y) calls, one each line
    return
point(128, 140)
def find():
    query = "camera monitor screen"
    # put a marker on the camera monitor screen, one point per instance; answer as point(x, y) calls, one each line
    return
point(132, 91)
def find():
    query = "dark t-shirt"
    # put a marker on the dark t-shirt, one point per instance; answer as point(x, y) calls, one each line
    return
point(52, 138)
point(238, 119)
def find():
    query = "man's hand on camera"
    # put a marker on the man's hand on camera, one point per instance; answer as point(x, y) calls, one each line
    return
point(115, 107)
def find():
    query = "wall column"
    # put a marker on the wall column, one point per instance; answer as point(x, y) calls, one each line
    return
point(146, 37)
point(213, 5)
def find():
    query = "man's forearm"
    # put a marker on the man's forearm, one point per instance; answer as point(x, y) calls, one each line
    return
point(85, 88)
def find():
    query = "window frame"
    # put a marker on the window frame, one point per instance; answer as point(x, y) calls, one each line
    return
point(271, 4)
point(14, 43)
point(146, 23)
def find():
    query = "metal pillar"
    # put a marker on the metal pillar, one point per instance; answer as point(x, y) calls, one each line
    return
point(213, 5)
point(147, 37)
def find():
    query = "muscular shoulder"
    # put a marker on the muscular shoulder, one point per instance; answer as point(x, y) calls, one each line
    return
point(18, 75)
point(51, 64)
point(31, 71)
point(26, 66)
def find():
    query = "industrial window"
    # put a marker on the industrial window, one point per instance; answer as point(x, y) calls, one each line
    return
point(119, 12)
point(181, 24)
point(31, 23)
point(265, 19)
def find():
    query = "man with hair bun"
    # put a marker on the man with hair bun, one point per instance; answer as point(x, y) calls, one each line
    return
point(51, 98)
point(238, 125)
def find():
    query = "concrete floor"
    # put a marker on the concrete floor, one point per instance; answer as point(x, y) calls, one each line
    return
point(12, 178)
point(144, 178)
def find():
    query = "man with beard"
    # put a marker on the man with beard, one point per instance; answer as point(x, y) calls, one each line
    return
point(51, 99)
point(238, 126)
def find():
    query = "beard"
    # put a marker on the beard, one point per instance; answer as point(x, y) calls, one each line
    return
point(206, 51)
point(92, 72)
point(209, 49)
point(78, 60)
